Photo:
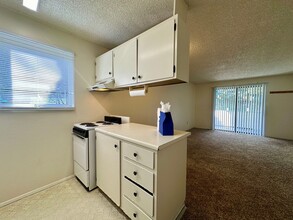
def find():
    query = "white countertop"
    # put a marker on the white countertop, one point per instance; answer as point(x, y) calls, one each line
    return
point(144, 135)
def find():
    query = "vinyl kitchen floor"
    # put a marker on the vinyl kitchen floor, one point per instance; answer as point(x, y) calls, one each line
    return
point(67, 200)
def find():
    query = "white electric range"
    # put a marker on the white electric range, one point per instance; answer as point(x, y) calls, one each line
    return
point(84, 148)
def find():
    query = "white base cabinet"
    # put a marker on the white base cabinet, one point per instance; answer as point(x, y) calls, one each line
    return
point(153, 170)
point(157, 193)
point(108, 166)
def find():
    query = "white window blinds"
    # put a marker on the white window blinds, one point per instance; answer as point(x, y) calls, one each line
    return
point(34, 75)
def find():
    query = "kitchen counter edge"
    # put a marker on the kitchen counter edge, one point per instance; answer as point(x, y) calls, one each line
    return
point(150, 138)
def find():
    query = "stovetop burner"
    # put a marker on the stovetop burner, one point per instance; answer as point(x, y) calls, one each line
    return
point(88, 124)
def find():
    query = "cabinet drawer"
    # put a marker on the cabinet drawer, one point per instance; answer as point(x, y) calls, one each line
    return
point(139, 175)
point(138, 154)
point(138, 196)
point(132, 210)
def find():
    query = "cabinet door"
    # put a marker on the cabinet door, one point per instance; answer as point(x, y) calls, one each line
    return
point(104, 65)
point(156, 52)
point(108, 166)
point(125, 63)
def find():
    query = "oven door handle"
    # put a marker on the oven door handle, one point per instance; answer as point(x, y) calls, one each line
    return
point(78, 136)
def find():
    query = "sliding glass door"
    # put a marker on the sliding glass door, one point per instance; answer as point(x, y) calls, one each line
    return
point(240, 109)
point(224, 108)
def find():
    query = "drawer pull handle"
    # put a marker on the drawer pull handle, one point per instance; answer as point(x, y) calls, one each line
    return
point(135, 194)
point(135, 154)
point(134, 215)
point(115, 145)
point(134, 173)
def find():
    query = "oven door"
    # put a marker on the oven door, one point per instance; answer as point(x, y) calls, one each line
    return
point(81, 151)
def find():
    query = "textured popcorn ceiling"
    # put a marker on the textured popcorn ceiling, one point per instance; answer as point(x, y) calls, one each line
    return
point(230, 39)
point(105, 22)
point(235, 39)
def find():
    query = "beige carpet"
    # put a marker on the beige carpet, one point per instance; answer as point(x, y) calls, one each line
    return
point(233, 176)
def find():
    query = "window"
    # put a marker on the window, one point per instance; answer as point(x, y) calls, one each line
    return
point(34, 75)
point(240, 109)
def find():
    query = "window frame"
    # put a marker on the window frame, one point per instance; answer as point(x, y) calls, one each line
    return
point(40, 47)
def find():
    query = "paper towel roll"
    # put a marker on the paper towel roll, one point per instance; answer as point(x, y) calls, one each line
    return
point(138, 92)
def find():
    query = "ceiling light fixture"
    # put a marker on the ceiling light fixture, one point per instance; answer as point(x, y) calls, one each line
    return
point(31, 4)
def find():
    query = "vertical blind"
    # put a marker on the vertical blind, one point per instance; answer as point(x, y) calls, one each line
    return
point(224, 113)
point(240, 109)
point(34, 75)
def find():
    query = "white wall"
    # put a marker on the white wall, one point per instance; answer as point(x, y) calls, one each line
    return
point(279, 107)
point(36, 146)
point(143, 109)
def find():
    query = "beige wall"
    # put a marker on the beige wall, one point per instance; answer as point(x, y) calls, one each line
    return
point(36, 146)
point(279, 107)
point(143, 109)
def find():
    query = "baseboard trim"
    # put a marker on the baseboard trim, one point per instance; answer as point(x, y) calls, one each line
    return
point(181, 213)
point(34, 191)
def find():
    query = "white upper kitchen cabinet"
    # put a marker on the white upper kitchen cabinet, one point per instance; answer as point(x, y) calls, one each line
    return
point(163, 53)
point(158, 56)
point(125, 63)
point(156, 52)
point(104, 66)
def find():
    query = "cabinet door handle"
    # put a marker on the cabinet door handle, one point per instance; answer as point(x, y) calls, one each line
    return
point(139, 76)
point(134, 215)
point(134, 173)
point(133, 78)
point(115, 145)
point(135, 194)
point(110, 73)
point(135, 154)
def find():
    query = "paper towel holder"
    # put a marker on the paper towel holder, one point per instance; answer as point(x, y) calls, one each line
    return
point(138, 91)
